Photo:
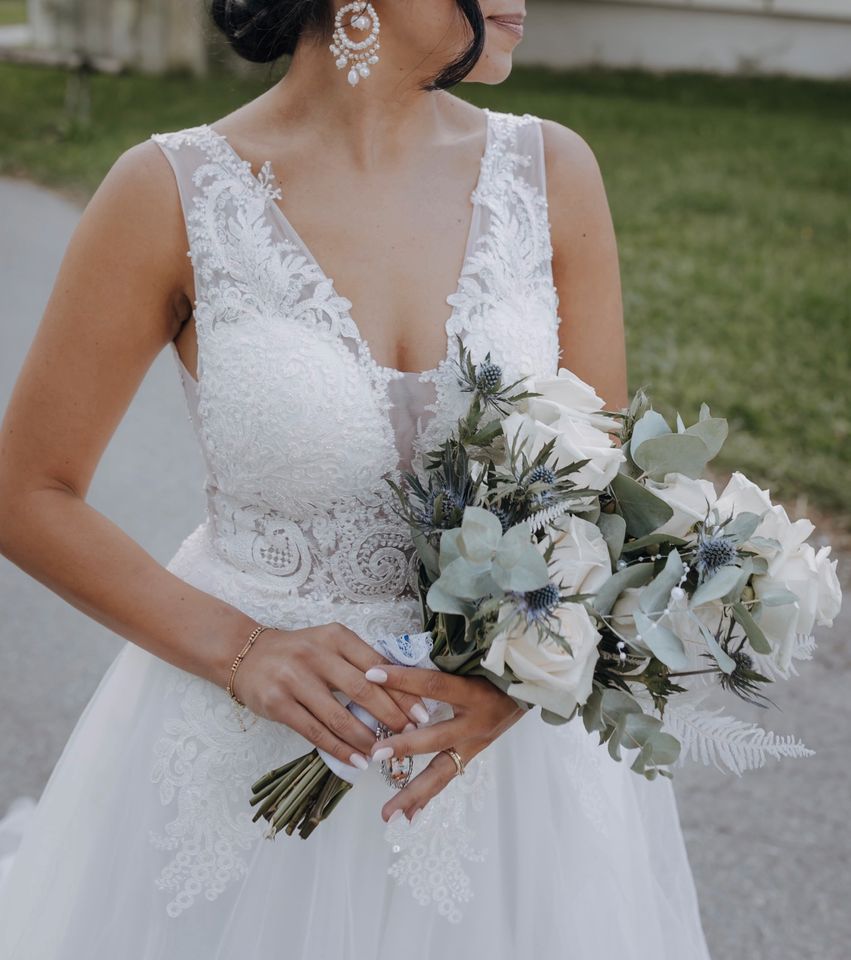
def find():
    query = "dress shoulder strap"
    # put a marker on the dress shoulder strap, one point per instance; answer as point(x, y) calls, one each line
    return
point(514, 183)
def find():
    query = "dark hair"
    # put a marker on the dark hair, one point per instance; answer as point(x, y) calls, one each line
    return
point(264, 31)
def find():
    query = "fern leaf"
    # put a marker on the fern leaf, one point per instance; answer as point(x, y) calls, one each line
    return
point(726, 742)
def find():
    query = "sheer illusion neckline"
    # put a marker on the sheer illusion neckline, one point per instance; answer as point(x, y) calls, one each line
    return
point(287, 225)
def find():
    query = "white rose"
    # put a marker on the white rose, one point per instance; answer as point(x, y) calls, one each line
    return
point(575, 439)
point(689, 499)
point(580, 560)
point(829, 600)
point(812, 578)
point(567, 390)
point(549, 676)
point(740, 496)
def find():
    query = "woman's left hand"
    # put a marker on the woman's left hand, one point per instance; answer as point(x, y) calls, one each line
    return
point(481, 713)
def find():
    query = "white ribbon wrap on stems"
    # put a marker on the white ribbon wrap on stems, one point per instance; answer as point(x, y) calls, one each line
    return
point(408, 650)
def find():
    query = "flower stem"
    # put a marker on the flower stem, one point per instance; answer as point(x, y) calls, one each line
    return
point(301, 789)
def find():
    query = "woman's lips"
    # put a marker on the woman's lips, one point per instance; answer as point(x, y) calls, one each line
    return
point(513, 23)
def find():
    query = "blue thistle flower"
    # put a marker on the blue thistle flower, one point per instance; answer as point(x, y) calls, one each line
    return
point(714, 552)
point(488, 378)
point(542, 474)
point(538, 604)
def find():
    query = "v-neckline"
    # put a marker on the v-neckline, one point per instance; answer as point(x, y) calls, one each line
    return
point(296, 237)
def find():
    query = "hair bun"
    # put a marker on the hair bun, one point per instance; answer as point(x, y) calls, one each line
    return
point(264, 31)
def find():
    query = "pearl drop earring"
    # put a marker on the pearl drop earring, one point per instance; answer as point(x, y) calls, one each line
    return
point(361, 52)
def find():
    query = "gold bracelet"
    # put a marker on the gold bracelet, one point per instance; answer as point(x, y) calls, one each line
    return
point(255, 633)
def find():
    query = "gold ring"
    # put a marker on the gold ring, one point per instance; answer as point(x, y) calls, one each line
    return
point(459, 763)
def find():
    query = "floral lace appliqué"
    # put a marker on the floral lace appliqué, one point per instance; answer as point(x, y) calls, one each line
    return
point(431, 851)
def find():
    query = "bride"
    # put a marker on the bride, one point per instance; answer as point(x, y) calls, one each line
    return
point(341, 230)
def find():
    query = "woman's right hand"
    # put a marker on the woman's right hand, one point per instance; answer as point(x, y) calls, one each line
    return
point(288, 676)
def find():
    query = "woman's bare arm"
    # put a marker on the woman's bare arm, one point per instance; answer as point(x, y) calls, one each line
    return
point(585, 266)
point(118, 299)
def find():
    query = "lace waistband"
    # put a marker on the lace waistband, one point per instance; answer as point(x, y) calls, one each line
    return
point(357, 551)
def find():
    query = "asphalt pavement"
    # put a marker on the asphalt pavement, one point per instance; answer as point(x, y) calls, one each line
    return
point(770, 850)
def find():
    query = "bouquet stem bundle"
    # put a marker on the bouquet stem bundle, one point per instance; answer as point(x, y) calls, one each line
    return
point(298, 795)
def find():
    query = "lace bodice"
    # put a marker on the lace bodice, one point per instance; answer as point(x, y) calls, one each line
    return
point(298, 425)
point(299, 428)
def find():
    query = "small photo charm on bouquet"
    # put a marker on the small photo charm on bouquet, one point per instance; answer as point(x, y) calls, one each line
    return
point(396, 770)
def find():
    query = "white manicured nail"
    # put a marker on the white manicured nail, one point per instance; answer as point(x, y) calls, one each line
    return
point(408, 727)
point(394, 816)
point(376, 674)
point(416, 816)
point(358, 761)
point(420, 713)
point(383, 753)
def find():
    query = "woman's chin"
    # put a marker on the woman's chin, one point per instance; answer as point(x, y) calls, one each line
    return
point(491, 68)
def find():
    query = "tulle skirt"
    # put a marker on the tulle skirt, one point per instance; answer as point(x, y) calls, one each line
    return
point(142, 846)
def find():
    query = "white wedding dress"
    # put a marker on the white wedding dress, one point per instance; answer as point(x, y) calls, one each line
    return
point(142, 845)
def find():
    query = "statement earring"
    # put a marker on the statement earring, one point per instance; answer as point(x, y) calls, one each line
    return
point(361, 53)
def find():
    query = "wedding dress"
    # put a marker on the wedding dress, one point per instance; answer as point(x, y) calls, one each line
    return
point(142, 845)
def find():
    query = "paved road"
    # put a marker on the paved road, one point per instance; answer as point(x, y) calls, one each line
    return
point(770, 851)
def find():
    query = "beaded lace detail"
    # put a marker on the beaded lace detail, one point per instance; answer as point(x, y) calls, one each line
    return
point(295, 423)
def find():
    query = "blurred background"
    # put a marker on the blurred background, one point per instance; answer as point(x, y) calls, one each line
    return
point(723, 131)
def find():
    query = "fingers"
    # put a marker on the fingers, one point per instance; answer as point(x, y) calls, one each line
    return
point(434, 684)
point(427, 739)
point(361, 655)
point(342, 675)
point(304, 722)
point(318, 699)
point(425, 786)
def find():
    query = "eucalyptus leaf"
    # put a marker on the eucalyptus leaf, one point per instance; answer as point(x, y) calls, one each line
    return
point(548, 716)
point(666, 748)
point(673, 453)
point(450, 547)
point(777, 596)
point(440, 601)
point(712, 431)
point(654, 597)
point(641, 509)
point(638, 729)
point(718, 585)
point(745, 573)
point(742, 526)
point(520, 570)
point(613, 528)
point(467, 581)
point(652, 540)
point(427, 554)
point(481, 533)
point(753, 630)
point(652, 424)
point(764, 543)
point(725, 662)
point(635, 575)
point(592, 711)
point(664, 643)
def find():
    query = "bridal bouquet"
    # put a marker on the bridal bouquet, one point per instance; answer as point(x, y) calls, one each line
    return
point(597, 580)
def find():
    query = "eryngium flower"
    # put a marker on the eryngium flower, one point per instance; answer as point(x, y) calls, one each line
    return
point(714, 552)
point(488, 378)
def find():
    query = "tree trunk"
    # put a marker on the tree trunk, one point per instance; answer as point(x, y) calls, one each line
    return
point(152, 36)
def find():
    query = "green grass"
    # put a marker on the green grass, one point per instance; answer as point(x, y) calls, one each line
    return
point(12, 11)
point(730, 202)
